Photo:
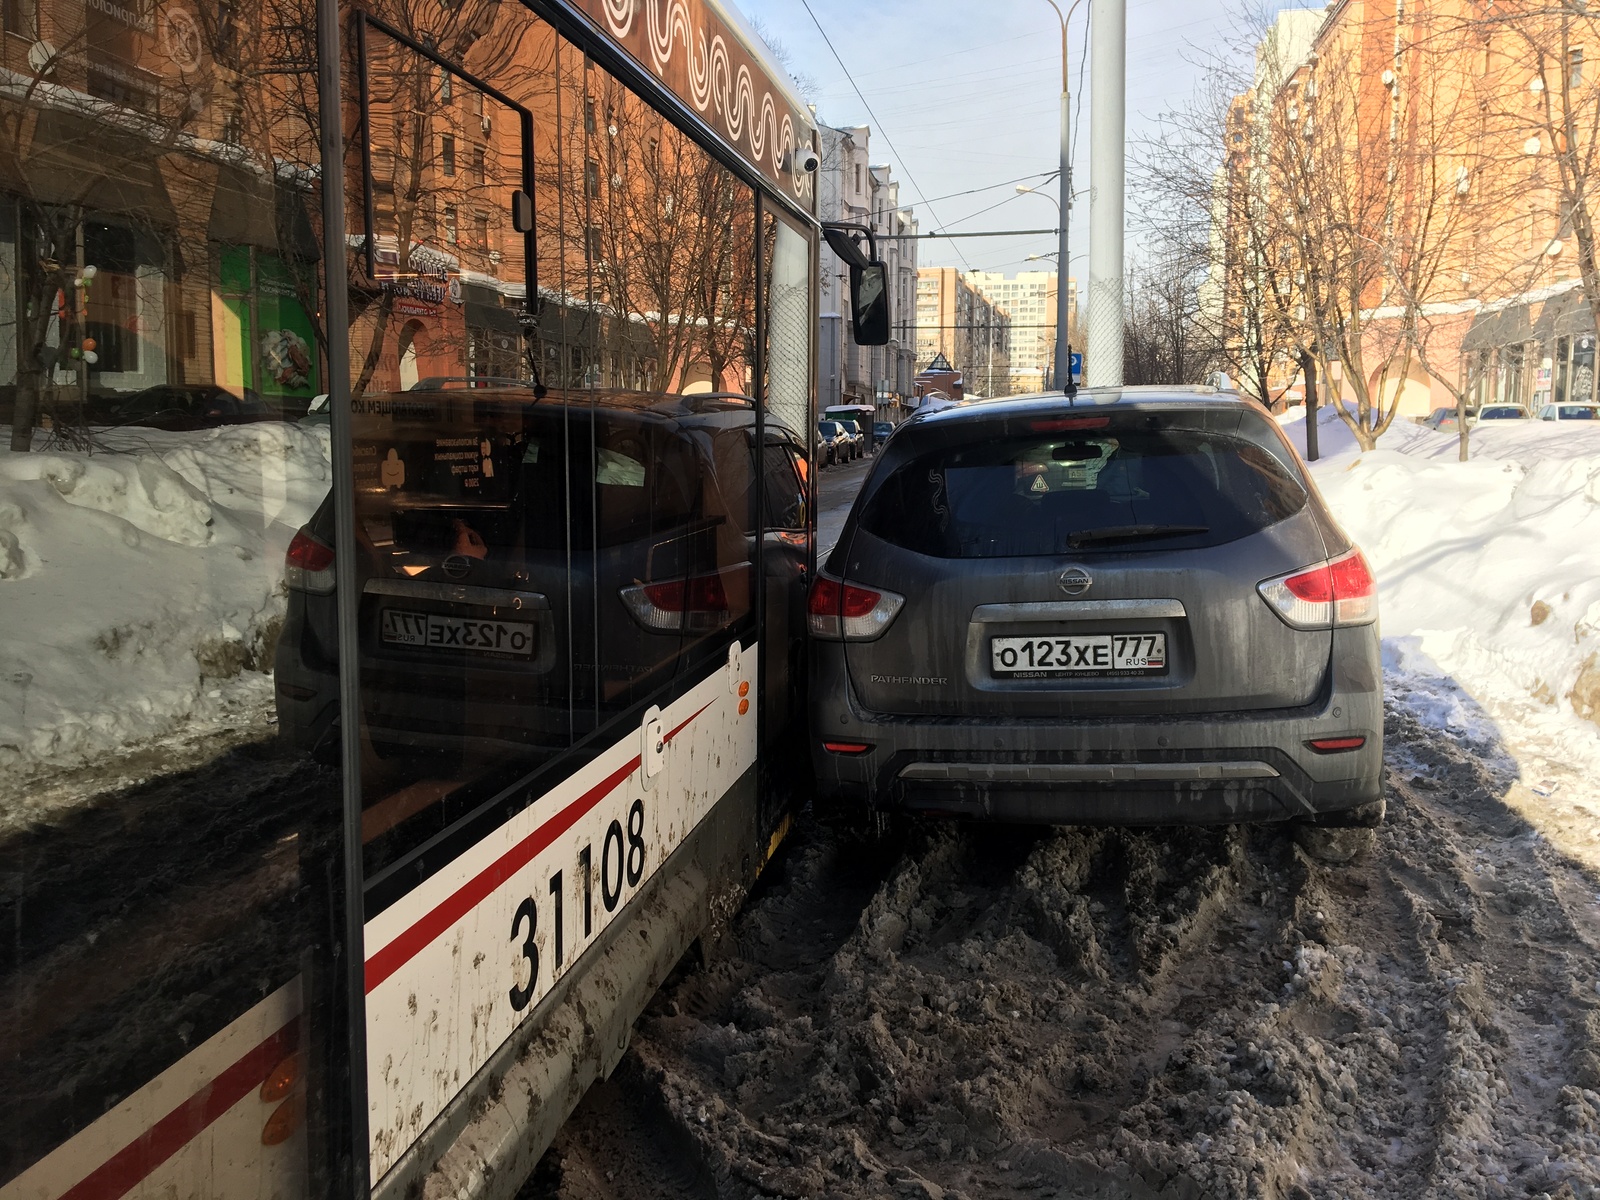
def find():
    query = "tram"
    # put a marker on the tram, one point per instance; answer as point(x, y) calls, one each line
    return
point(408, 516)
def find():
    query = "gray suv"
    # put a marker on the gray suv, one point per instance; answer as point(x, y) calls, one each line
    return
point(1129, 609)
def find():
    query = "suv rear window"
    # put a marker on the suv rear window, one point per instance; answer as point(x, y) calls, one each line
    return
point(1108, 491)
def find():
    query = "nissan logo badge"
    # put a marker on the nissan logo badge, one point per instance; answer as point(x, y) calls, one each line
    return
point(1075, 581)
point(458, 565)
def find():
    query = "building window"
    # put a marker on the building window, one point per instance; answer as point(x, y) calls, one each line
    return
point(446, 91)
point(591, 243)
point(1575, 66)
point(447, 156)
point(591, 178)
point(20, 19)
point(481, 224)
point(450, 224)
point(480, 166)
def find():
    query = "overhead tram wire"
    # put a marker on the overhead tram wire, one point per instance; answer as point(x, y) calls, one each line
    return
point(904, 166)
point(1042, 176)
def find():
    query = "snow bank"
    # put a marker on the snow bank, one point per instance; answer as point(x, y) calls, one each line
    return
point(1489, 583)
point(141, 586)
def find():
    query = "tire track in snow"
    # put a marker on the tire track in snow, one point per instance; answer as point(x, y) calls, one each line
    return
point(1141, 1013)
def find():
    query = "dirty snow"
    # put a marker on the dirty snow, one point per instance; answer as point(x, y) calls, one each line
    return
point(1489, 578)
point(142, 591)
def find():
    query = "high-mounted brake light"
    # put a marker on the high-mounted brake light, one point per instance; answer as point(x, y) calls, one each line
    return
point(841, 611)
point(308, 566)
point(697, 604)
point(1062, 424)
point(1341, 591)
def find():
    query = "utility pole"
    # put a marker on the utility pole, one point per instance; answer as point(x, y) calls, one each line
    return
point(1061, 371)
point(1108, 69)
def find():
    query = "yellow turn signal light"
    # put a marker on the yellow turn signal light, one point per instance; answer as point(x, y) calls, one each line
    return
point(281, 1081)
point(284, 1120)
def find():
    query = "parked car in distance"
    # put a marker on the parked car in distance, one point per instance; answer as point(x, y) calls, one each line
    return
point(184, 406)
point(833, 444)
point(1570, 412)
point(881, 431)
point(1445, 419)
point(857, 439)
point(1134, 609)
point(319, 411)
point(1503, 412)
point(447, 383)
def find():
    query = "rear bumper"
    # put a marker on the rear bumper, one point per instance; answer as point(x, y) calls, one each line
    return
point(1217, 768)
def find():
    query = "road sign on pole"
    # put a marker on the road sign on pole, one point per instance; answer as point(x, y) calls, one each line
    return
point(1076, 361)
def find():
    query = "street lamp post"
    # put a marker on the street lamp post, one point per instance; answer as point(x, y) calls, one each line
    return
point(1063, 365)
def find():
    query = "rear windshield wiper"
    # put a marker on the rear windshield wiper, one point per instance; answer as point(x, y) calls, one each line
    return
point(1131, 533)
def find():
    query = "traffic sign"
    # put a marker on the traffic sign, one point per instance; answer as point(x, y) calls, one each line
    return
point(1075, 363)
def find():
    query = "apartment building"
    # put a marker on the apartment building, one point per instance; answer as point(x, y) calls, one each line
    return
point(1435, 161)
point(1030, 298)
point(955, 319)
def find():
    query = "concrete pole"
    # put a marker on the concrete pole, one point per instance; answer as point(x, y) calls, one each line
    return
point(1108, 66)
point(1062, 371)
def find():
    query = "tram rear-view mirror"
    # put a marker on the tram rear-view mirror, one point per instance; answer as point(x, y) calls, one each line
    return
point(869, 303)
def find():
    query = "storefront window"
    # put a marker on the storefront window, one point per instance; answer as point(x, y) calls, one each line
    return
point(1581, 378)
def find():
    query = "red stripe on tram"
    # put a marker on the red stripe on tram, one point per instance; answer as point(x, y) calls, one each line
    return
point(131, 1165)
point(469, 895)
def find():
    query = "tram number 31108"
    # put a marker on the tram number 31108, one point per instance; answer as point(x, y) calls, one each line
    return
point(621, 858)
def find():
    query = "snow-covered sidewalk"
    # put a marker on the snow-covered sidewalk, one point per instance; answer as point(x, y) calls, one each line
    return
point(1489, 578)
point(142, 590)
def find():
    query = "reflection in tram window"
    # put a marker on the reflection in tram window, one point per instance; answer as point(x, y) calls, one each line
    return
point(545, 552)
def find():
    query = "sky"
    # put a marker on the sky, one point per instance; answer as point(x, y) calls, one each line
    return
point(968, 95)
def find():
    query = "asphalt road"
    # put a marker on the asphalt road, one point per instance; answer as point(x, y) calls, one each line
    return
point(836, 491)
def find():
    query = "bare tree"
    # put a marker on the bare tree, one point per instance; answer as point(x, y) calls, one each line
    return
point(1463, 183)
point(1164, 339)
point(1541, 89)
point(1203, 199)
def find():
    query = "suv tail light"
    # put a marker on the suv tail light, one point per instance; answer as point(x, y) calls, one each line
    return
point(697, 604)
point(840, 611)
point(308, 566)
point(1340, 591)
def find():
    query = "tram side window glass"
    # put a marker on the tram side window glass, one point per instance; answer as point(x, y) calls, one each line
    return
point(167, 855)
point(662, 271)
point(466, 495)
point(549, 545)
